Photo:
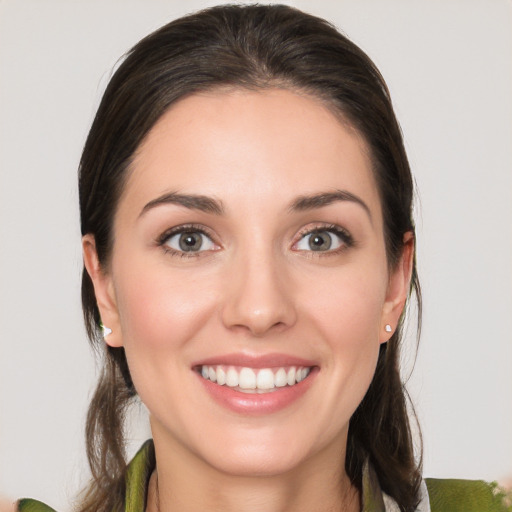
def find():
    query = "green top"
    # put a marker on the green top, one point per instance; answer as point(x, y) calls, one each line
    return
point(446, 495)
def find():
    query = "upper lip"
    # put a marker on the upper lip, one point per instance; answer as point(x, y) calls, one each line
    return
point(255, 361)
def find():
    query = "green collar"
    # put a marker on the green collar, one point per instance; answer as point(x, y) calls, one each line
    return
point(137, 477)
point(143, 464)
point(442, 495)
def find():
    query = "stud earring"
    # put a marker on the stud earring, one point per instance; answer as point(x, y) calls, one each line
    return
point(388, 328)
point(105, 330)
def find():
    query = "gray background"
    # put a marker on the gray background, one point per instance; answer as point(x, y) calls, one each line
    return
point(449, 67)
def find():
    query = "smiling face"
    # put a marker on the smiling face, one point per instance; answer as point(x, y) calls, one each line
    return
point(248, 280)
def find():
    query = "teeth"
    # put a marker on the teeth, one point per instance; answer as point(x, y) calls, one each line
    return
point(280, 379)
point(232, 378)
point(246, 379)
point(265, 379)
point(221, 376)
point(251, 380)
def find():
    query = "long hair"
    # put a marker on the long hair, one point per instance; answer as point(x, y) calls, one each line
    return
point(253, 47)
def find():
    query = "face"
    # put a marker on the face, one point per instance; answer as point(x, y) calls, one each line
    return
point(248, 281)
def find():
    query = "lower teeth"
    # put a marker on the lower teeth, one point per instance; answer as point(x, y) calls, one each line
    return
point(255, 391)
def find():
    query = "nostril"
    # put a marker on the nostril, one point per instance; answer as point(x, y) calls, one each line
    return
point(258, 299)
point(259, 327)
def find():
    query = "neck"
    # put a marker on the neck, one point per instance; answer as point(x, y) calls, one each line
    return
point(183, 482)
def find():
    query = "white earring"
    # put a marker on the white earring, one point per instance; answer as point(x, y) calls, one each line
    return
point(105, 330)
point(388, 328)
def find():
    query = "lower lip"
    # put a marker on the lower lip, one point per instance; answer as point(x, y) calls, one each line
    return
point(258, 403)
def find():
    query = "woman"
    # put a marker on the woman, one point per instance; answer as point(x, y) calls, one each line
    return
point(249, 250)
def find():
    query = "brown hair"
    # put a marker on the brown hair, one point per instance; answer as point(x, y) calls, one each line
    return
point(253, 47)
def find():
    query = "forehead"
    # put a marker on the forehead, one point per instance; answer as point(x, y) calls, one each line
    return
point(246, 145)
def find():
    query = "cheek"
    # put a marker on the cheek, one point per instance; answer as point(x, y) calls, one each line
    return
point(351, 332)
point(347, 311)
point(161, 313)
point(348, 305)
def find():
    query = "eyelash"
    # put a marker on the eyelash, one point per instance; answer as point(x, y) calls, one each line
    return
point(185, 228)
point(345, 237)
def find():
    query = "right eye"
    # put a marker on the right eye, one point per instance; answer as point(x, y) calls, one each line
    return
point(189, 241)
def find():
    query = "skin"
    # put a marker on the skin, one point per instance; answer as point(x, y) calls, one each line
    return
point(7, 505)
point(256, 288)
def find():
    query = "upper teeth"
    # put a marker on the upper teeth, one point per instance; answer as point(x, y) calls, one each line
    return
point(248, 378)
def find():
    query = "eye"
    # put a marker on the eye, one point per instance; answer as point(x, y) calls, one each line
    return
point(188, 240)
point(324, 240)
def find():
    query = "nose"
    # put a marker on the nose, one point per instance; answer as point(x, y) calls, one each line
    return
point(259, 296)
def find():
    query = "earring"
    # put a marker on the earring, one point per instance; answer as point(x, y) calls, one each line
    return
point(388, 328)
point(105, 330)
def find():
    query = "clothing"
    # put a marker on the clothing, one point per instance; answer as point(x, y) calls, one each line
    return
point(437, 495)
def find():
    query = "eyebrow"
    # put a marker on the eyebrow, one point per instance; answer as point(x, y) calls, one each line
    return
point(192, 201)
point(209, 205)
point(322, 199)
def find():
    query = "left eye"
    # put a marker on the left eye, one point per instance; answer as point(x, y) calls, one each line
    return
point(190, 241)
point(320, 240)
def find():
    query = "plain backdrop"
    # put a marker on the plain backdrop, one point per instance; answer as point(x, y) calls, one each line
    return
point(448, 64)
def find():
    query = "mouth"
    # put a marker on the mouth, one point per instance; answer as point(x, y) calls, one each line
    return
point(254, 380)
point(256, 384)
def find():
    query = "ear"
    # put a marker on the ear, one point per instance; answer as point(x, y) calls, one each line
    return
point(104, 291)
point(398, 289)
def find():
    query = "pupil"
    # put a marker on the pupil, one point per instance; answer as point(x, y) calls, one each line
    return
point(190, 241)
point(320, 241)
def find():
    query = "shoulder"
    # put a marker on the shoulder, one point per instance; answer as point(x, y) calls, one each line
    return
point(137, 478)
point(452, 495)
point(27, 505)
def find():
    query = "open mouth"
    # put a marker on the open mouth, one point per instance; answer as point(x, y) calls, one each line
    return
point(254, 380)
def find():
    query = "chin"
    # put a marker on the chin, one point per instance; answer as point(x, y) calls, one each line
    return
point(263, 452)
point(257, 461)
